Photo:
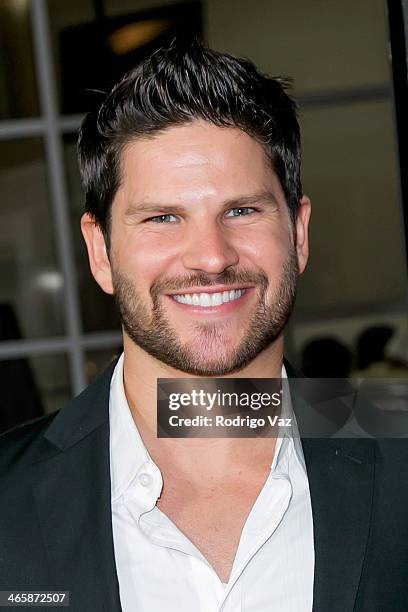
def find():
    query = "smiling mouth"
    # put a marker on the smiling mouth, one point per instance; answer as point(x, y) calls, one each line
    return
point(206, 300)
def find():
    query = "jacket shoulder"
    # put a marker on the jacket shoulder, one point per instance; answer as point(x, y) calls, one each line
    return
point(16, 443)
point(43, 437)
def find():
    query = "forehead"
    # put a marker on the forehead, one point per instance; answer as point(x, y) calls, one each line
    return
point(194, 161)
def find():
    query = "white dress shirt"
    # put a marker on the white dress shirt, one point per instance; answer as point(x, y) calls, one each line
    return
point(160, 569)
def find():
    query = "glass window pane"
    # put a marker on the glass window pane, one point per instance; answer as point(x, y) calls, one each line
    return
point(112, 7)
point(31, 387)
point(63, 15)
point(94, 50)
point(18, 93)
point(322, 45)
point(98, 310)
point(97, 360)
point(31, 290)
point(349, 171)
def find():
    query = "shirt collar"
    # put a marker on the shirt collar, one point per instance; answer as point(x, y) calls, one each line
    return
point(295, 435)
point(128, 453)
point(289, 443)
point(127, 450)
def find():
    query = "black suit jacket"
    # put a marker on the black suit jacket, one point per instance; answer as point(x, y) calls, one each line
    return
point(56, 522)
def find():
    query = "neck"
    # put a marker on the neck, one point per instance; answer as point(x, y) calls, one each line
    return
point(191, 455)
point(141, 372)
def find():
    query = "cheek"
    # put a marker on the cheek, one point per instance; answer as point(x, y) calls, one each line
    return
point(269, 250)
point(146, 257)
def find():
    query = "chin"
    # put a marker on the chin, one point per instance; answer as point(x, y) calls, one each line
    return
point(212, 363)
point(215, 370)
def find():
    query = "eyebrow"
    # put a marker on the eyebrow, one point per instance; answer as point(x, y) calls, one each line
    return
point(143, 208)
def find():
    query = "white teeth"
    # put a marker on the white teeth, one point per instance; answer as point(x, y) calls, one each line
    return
point(216, 299)
point(209, 299)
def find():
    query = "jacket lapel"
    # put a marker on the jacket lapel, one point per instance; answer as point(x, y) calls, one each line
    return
point(341, 474)
point(73, 499)
point(341, 481)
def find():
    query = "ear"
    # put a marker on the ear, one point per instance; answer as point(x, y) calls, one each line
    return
point(98, 257)
point(302, 232)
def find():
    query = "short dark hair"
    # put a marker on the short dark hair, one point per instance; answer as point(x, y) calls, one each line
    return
point(175, 86)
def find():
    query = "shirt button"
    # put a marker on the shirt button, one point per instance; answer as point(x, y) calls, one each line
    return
point(145, 480)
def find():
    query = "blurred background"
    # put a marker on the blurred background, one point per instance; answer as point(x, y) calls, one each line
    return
point(348, 62)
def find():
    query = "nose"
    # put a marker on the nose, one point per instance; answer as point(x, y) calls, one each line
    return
point(209, 249)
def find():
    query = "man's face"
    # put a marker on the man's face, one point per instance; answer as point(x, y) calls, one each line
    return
point(203, 264)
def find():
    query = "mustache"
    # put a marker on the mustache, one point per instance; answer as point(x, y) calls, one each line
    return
point(201, 279)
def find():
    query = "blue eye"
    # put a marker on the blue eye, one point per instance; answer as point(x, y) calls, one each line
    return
point(162, 219)
point(240, 212)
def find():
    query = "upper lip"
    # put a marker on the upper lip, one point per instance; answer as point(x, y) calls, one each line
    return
point(212, 289)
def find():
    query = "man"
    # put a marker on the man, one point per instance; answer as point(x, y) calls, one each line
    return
point(197, 224)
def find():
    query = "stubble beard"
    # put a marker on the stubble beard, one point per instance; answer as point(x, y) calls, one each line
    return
point(207, 354)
